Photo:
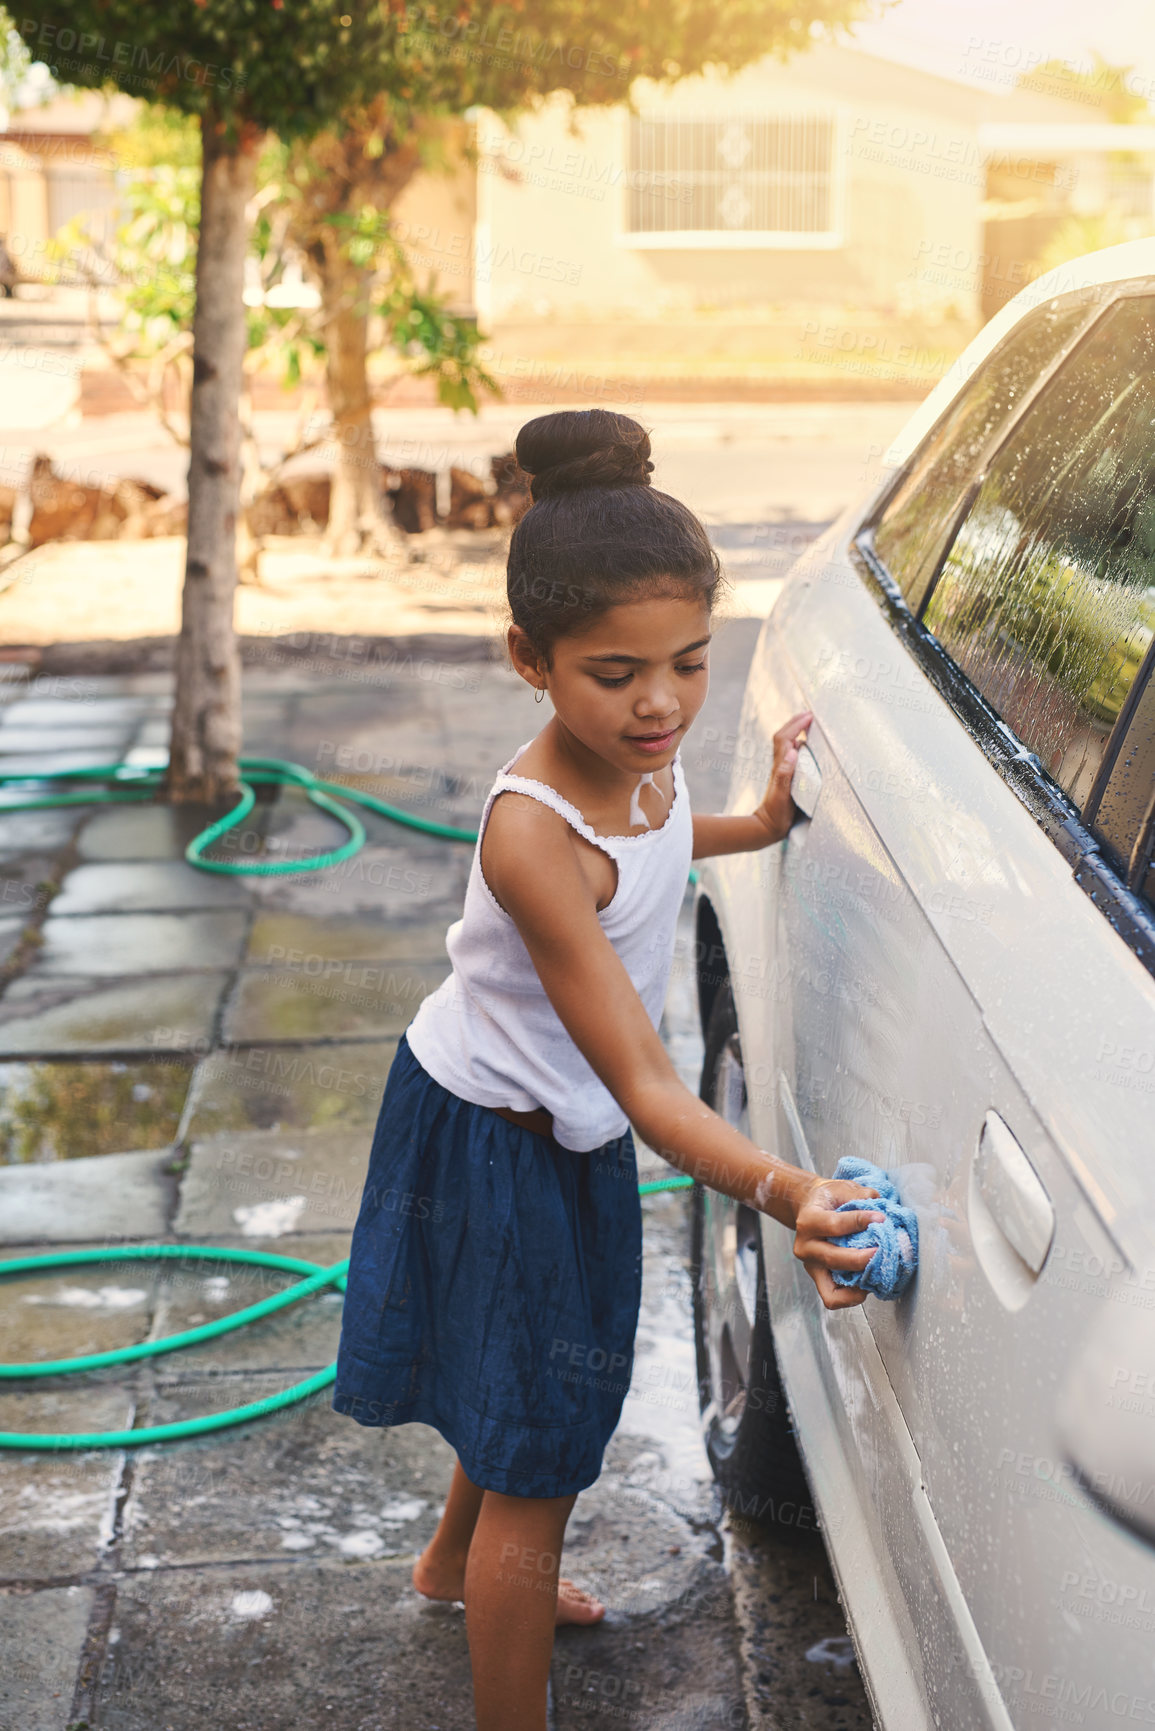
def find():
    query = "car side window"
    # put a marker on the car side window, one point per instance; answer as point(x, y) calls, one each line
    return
point(918, 518)
point(1046, 599)
point(1123, 814)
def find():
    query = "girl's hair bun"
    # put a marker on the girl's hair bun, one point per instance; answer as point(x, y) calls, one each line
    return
point(579, 448)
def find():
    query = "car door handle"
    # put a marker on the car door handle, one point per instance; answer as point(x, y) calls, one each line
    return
point(806, 782)
point(1013, 1193)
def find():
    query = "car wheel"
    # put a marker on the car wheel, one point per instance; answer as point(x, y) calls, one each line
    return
point(748, 1433)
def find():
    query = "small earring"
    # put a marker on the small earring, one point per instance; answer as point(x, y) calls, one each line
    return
point(539, 694)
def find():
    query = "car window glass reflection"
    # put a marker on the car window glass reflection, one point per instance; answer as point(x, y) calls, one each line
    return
point(913, 529)
point(1047, 597)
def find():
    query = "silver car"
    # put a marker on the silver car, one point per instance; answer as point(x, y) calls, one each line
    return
point(949, 968)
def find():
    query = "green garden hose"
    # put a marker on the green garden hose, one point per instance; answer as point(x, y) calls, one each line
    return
point(139, 782)
point(136, 783)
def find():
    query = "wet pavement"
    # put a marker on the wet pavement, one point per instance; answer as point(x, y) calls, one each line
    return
point(193, 1058)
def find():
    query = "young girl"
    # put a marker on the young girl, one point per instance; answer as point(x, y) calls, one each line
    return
point(497, 1253)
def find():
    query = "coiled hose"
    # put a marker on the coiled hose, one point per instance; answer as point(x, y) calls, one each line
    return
point(137, 782)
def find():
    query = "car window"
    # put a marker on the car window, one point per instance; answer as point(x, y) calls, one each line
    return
point(920, 514)
point(1046, 599)
point(1121, 815)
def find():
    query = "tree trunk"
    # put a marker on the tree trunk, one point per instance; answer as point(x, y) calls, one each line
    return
point(339, 172)
point(357, 513)
point(206, 723)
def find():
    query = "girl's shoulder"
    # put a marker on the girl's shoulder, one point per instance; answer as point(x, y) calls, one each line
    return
point(529, 843)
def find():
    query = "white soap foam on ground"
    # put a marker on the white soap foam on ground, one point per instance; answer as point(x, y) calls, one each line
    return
point(399, 1510)
point(270, 1219)
point(250, 1605)
point(361, 1544)
point(89, 1298)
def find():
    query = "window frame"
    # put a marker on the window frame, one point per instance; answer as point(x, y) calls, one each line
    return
point(1115, 892)
point(740, 240)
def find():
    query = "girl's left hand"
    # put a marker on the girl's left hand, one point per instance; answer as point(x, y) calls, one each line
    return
point(817, 1222)
point(777, 810)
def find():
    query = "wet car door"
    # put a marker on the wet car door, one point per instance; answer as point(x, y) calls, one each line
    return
point(942, 960)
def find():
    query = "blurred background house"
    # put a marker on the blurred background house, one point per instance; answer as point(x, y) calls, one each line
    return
point(839, 223)
point(53, 168)
point(841, 210)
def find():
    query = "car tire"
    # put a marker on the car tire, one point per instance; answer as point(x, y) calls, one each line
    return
point(748, 1432)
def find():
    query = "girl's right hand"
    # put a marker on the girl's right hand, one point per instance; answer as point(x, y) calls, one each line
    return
point(818, 1221)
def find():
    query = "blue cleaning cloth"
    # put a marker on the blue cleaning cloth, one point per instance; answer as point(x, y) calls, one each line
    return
point(891, 1269)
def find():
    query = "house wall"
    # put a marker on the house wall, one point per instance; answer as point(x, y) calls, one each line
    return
point(552, 212)
point(435, 219)
point(23, 208)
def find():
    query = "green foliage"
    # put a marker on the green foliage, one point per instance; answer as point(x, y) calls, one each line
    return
point(291, 68)
point(1079, 234)
point(152, 257)
point(437, 344)
point(15, 62)
point(154, 253)
point(295, 66)
point(158, 137)
point(1100, 85)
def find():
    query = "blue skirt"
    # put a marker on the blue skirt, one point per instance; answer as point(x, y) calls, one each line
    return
point(493, 1290)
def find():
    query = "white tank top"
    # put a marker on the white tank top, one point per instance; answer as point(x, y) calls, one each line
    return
point(490, 1034)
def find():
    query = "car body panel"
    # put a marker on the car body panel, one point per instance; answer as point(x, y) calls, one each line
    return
point(879, 1015)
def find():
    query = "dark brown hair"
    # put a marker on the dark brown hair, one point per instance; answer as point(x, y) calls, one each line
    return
point(597, 533)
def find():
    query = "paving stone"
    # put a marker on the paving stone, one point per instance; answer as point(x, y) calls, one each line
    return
point(56, 1506)
point(154, 687)
point(297, 940)
point(794, 1642)
point(294, 1087)
point(113, 1196)
point(385, 835)
point(90, 707)
point(35, 832)
point(267, 705)
point(33, 766)
point(297, 830)
point(11, 930)
point(266, 1183)
point(66, 1013)
point(677, 1671)
point(391, 883)
point(28, 881)
point(41, 1639)
point(365, 997)
point(154, 733)
point(71, 1312)
point(302, 1482)
point(347, 1646)
point(29, 739)
point(140, 943)
point(158, 832)
point(145, 886)
point(57, 1110)
point(628, 1540)
point(331, 717)
point(303, 1337)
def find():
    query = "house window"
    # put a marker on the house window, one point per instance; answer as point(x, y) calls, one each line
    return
point(85, 191)
point(734, 180)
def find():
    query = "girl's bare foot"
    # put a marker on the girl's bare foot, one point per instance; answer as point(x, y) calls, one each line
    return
point(575, 1605)
point(435, 1580)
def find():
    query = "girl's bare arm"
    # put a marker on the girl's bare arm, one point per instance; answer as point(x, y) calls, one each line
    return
point(532, 866)
point(776, 811)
